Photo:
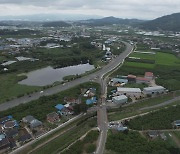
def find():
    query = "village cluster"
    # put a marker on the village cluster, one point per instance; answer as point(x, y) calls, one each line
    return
point(14, 134)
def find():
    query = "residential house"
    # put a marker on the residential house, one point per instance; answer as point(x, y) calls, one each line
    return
point(59, 107)
point(5, 119)
point(4, 145)
point(176, 124)
point(131, 78)
point(149, 75)
point(24, 138)
point(53, 117)
point(153, 134)
point(11, 133)
point(93, 100)
point(32, 122)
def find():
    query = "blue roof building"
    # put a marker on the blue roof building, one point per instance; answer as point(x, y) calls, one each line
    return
point(119, 80)
point(59, 106)
point(91, 101)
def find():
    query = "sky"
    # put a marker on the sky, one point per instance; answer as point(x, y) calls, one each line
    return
point(140, 9)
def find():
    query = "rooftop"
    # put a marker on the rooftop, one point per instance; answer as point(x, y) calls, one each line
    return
point(142, 79)
point(154, 88)
point(149, 74)
point(59, 106)
point(129, 89)
point(120, 97)
point(131, 76)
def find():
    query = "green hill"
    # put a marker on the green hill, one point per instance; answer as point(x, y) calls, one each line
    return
point(56, 24)
point(167, 23)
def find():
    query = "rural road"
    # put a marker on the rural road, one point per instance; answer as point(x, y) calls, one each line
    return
point(53, 90)
point(102, 119)
point(161, 104)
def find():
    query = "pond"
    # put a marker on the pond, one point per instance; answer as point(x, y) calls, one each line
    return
point(49, 75)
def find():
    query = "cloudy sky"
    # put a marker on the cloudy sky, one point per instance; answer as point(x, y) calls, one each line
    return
point(141, 9)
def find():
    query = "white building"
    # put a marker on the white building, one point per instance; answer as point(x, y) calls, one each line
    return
point(129, 91)
point(120, 99)
point(154, 90)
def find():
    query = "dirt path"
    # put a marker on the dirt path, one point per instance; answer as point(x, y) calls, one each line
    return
point(176, 140)
point(54, 137)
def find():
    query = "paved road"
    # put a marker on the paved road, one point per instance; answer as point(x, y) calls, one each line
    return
point(161, 104)
point(102, 111)
point(25, 99)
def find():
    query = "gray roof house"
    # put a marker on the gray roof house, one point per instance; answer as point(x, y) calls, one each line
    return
point(28, 119)
point(35, 123)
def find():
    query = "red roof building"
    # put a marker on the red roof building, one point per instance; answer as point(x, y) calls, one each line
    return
point(142, 80)
point(53, 117)
point(149, 75)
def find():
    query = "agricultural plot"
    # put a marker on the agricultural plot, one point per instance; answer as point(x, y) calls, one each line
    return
point(167, 59)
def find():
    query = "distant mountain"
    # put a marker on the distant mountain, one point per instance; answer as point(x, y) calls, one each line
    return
point(167, 23)
point(56, 24)
point(110, 21)
point(50, 17)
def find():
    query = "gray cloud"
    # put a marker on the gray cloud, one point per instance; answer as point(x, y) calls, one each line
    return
point(121, 8)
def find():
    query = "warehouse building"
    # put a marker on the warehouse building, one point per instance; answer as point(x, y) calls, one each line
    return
point(120, 99)
point(154, 90)
point(129, 91)
point(141, 80)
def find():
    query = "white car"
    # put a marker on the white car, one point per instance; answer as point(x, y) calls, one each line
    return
point(41, 92)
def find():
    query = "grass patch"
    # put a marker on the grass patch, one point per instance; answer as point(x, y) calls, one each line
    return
point(167, 59)
point(87, 144)
point(177, 134)
point(9, 88)
point(139, 65)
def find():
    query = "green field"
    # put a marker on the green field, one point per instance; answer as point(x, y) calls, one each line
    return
point(9, 88)
point(139, 65)
point(142, 56)
point(160, 59)
point(167, 59)
point(132, 142)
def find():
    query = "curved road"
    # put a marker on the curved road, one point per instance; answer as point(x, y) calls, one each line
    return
point(25, 99)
